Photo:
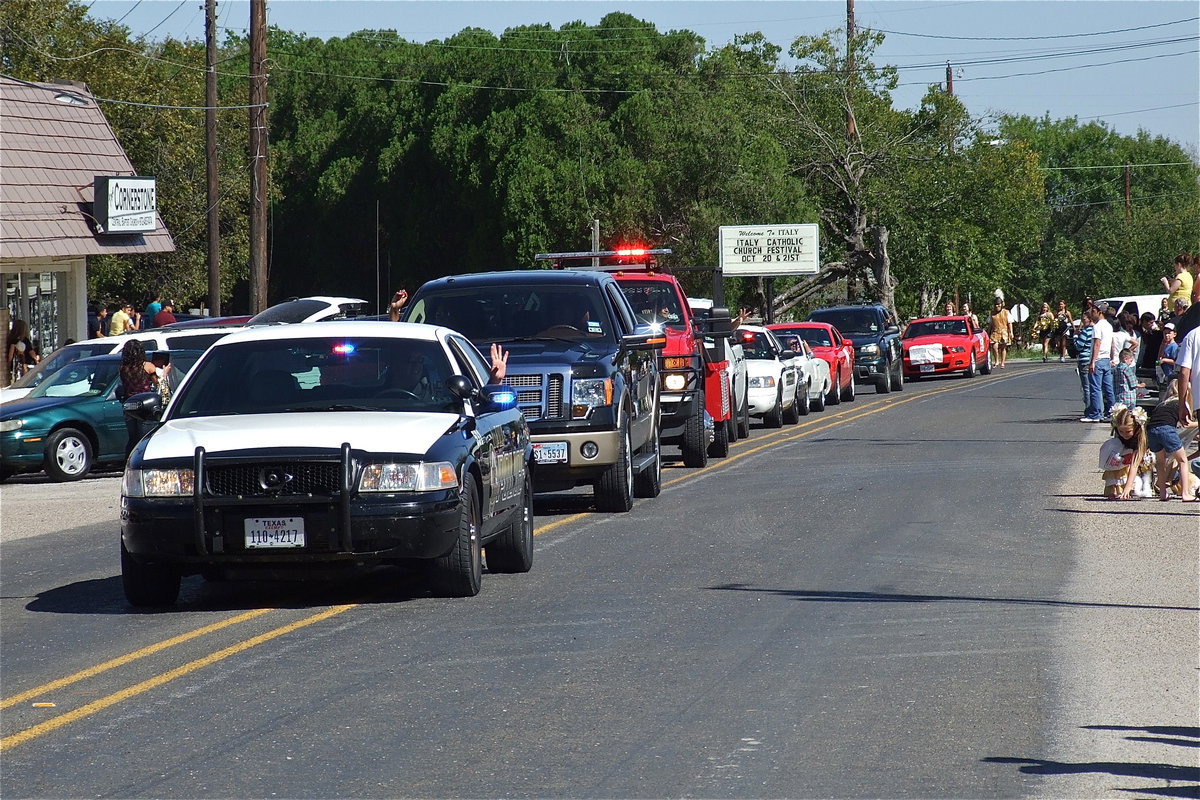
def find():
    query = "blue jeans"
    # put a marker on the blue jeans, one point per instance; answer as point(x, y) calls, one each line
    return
point(1100, 388)
point(1084, 383)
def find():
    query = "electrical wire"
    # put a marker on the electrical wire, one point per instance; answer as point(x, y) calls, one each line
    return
point(1033, 38)
point(160, 24)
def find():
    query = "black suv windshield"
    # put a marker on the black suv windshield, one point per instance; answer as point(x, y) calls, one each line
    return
point(509, 312)
point(849, 321)
point(319, 374)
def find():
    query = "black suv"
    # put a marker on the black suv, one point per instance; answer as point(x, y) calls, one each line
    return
point(585, 372)
point(875, 334)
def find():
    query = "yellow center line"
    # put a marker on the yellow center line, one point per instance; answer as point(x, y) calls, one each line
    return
point(128, 657)
point(165, 677)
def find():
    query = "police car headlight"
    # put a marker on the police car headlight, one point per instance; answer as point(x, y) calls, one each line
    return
point(762, 382)
point(419, 477)
point(158, 483)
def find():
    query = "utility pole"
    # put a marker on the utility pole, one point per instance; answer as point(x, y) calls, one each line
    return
point(1128, 199)
point(258, 151)
point(851, 132)
point(950, 91)
point(210, 157)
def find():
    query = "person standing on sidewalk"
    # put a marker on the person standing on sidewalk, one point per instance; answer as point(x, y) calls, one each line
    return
point(1100, 369)
point(1084, 343)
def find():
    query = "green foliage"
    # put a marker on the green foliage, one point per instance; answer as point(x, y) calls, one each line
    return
point(479, 151)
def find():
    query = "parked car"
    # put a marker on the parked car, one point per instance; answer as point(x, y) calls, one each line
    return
point(230, 321)
point(311, 309)
point(586, 372)
point(153, 339)
point(773, 375)
point(829, 345)
point(318, 445)
point(815, 382)
point(945, 345)
point(875, 334)
point(72, 421)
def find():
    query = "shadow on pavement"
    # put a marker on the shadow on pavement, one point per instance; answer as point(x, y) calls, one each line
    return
point(888, 597)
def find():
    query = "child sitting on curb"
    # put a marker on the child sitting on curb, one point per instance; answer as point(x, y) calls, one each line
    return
point(1122, 456)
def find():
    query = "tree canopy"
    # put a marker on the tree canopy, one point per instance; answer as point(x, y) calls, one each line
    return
point(393, 162)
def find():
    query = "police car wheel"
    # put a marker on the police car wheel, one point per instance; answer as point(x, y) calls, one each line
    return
point(512, 551)
point(459, 573)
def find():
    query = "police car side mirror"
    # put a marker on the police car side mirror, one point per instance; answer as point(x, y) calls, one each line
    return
point(144, 406)
point(460, 387)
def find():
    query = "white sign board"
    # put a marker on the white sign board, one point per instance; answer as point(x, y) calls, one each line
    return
point(125, 204)
point(770, 249)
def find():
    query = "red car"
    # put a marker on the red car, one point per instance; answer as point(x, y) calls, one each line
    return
point(829, 345)
point(945, 345)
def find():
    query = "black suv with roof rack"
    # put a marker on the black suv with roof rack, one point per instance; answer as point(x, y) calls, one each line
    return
point(585, 371)
point(875, 333)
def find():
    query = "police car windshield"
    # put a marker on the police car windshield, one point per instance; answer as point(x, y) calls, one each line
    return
point(319, 374)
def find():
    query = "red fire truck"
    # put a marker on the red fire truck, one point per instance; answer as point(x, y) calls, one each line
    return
point(692, 379)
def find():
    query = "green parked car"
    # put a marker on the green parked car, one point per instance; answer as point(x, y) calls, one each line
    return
point(72, 421)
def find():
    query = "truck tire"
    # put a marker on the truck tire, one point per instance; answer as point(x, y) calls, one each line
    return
point(732, 423)
point(459, 573)
point(720, 446)
point(898, 378)
point(148, 584)
point(744, 421)
point(512, 551)
point(613, 490)
point(695, 441)
point(883, 383)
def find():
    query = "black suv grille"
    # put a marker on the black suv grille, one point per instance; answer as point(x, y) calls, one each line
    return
point(274, 479)
point(539, 396)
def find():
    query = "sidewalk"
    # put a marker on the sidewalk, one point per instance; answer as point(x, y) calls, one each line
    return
point(1127, 668)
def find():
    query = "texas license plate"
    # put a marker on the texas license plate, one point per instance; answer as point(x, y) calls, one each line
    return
point(268, 532)
point(928, 367)
point(550, 452)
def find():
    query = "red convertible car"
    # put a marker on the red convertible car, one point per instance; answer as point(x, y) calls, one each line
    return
point(828, 344)
point(945, 345)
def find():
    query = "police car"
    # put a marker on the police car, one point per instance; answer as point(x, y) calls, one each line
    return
point(329, 443)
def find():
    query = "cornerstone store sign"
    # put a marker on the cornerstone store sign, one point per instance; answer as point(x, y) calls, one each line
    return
point(125, 204)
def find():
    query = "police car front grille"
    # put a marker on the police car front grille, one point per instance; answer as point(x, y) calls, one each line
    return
point(247, 480)
point(539, 396)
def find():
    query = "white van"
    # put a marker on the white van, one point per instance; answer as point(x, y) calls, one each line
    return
point(1136, 304)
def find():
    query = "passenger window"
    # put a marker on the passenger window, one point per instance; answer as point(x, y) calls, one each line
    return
point(625, 317)
point(469, 361)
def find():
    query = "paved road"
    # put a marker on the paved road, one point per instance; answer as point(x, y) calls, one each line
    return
point(912, 595)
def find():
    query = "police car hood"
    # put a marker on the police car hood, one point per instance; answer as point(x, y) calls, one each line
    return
point(401, 433)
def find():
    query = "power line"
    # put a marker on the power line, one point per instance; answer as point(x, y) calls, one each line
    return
point(1032, 38)
point(167, 17)
point(1123, 166)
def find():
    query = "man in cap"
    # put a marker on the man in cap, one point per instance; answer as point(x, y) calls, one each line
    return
point(165, 316)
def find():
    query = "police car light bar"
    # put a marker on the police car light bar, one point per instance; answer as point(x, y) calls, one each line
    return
point(632, 259)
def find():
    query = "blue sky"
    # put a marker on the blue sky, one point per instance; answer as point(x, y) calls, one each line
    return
point(1133, 65)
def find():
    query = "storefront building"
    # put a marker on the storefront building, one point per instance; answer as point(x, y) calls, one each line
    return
point(56, 148)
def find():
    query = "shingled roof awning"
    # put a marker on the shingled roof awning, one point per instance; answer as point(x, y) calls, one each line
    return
point(50, 152)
